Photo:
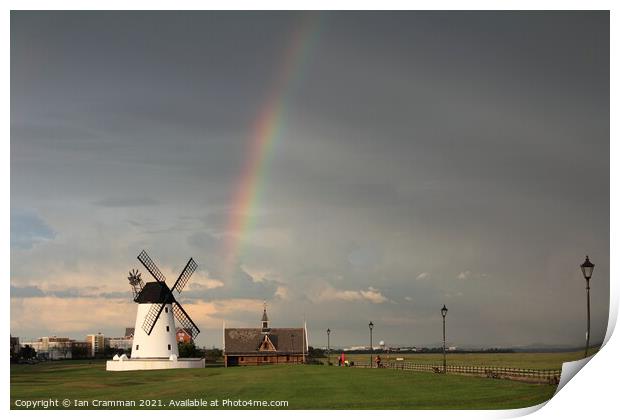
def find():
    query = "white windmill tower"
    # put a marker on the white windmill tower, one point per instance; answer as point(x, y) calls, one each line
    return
point(154, 343)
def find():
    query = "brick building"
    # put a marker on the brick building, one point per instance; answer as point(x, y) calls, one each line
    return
point(183, 336)
point(264, 345)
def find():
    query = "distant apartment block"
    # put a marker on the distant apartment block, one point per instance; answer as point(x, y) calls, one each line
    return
point(52, 348)
point(120, 343)
point(14, 345)
point(96, 343)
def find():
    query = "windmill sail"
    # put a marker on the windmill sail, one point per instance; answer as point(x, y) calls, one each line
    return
point(151, 267)
point(187, 272)
point(151, 317)
point(184, 320)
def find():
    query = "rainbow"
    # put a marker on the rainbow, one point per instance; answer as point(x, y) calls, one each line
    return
point(265, 131)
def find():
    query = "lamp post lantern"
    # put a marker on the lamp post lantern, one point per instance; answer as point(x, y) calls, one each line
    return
point(328, 348)
point(444, 312)
point(587, 268)
point(370, 325)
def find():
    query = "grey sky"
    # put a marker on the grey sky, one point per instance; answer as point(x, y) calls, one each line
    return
point(426, 159)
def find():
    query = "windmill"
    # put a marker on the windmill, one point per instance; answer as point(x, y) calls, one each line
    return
point(159, 312)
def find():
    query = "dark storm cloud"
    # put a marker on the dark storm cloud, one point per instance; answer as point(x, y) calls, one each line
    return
point(423, 158)
point(28, 229)
point(240, 284)
point(126, 202)
point(204, 241)
point(27, 291)
point(34, 291)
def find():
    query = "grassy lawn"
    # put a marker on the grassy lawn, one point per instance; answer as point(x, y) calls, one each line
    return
point(304, 387)
point(516, 360)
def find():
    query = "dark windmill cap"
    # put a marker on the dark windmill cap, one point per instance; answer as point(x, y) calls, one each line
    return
point(155, 292)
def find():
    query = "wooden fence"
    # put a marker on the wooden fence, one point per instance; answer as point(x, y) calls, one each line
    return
point(551, 376)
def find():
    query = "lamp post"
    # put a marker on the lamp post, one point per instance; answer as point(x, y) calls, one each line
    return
point(444, 312)
point(370, 325)
point(587, 268)
point(328, 348)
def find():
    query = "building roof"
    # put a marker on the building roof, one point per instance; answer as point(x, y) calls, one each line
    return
point(248, 340)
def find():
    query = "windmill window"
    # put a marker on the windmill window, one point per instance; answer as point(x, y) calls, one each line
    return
point(166, 309)
point(169, 347)
point(167, 328)
point(137, 346)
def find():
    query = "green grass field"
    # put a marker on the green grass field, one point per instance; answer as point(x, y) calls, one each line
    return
point(304, 387)
point(515, 360)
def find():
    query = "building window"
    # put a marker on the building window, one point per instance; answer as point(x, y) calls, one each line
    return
point(167, 328)
point(264, 359)
point(169, 347)
point(241, 359)
point(166, 310)
point(137, 346)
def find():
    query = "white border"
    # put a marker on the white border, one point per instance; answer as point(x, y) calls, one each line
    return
point(590, 393)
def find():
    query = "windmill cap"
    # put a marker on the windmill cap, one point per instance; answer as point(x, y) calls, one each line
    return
point(155, 292)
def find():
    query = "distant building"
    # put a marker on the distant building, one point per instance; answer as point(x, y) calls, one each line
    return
point(183, 336)
point(97, 343)
point(14, 345)
point(120, 343)
point(80, 349)
point(52, 348)
point(357, 348)
point(265, 345)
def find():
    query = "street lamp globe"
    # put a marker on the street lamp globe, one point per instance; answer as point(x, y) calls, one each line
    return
point(587, 268)
point(444, 311)
point(370, 325)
